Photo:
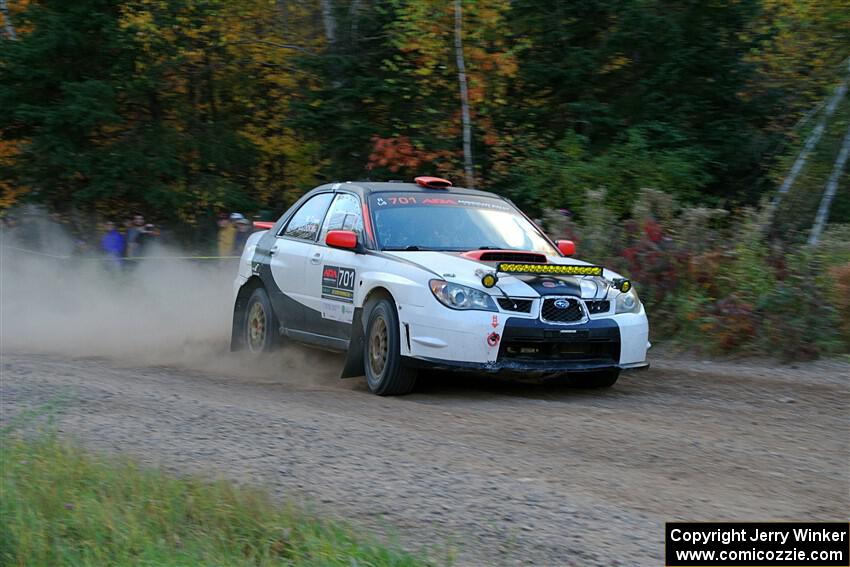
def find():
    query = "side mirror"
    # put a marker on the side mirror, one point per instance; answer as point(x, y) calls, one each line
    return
point(567, 247)
point(345, 239)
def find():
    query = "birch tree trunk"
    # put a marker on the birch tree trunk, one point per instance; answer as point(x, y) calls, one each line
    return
point(330, 22)
point(10, 29)
point(831, 187)
point(283, 19)
point(464, 97)
point(812, 141)
point(354, 18)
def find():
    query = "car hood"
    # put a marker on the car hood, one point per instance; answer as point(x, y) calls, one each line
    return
point(455, 268)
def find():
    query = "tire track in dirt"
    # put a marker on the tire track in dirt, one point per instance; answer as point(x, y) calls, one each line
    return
point(499, 473)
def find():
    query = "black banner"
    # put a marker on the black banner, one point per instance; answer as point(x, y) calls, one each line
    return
point(757, 544)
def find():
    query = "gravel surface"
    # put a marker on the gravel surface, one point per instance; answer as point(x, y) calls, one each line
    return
point(486, 472)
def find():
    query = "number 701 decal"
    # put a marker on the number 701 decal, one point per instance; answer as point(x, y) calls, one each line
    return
point(338, 283)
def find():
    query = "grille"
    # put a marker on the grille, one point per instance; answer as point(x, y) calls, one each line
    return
point(598, 306)
point(569, 313)
point(513, 257)
point(528, 343)
point(588, 350)
point(514, 304)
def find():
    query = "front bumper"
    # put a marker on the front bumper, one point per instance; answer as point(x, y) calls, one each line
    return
point(517, 368)
point(530, 347)
point(510, 342)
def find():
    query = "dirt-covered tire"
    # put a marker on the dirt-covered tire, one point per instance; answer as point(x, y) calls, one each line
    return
point(604, 379)
point(259, 328)
point(386, 375)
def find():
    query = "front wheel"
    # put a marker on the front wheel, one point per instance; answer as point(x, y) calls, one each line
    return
point(604, 379)
point(385, 373)
point(260, 325)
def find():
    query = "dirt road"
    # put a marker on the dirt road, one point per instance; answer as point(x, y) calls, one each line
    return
point(498, 474)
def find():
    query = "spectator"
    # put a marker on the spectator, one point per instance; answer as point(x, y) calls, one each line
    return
point(11, 227)
point(146, 237)
point(243, 231)
point(125, 231)
point(112, 243)
point(133, 233)
point(226, 233)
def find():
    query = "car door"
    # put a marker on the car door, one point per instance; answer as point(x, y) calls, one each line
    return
point(288, 258)
point(331, 272)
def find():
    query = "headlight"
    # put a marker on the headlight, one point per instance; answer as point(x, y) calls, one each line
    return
point(627, 302)
point(461, 297)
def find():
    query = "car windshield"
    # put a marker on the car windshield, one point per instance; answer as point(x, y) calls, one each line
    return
point(425, 221)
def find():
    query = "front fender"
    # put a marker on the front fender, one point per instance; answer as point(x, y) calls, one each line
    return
point(407, 287)
point(405, 290)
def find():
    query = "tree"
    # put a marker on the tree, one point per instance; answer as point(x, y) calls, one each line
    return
point(8, 28)
point(165, 105)
point(464, 97)
point(60, 88)
point(675, 71)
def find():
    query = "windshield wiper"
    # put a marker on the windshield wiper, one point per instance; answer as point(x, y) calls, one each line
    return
point(411, 248)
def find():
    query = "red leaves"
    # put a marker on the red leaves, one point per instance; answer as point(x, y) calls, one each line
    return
point(393, 153)
point(653, 231)
point(400, 153)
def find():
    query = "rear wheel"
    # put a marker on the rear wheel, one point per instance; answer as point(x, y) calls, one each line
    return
point(260, 325)
point(604, 379)
point(385, 373)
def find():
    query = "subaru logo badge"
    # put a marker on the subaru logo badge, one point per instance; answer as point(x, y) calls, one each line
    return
point(562, 303)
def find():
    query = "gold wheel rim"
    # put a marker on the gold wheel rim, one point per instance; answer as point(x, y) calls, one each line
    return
point(256, 327)
point(378, 346)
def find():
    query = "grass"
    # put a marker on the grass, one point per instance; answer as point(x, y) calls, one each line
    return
point(62, 506)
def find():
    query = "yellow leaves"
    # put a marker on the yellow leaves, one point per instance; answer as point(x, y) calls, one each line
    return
point(141, 20)
point(806, 41)
point(614, 63)
point(14, 8)
point(10, 193)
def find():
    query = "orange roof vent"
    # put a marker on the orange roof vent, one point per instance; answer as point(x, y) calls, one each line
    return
point(433, 182)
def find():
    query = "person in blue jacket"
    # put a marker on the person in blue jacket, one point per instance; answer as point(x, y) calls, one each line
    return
point(113, 244)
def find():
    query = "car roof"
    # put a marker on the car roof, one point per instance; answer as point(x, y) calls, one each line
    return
point(366, 188)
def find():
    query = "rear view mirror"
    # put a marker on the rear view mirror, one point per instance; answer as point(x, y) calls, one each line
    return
point(567, 247)
point(345, 239)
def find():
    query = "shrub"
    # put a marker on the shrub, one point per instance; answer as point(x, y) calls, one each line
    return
point(840, 297)
point(712, 280)
point(796, 314)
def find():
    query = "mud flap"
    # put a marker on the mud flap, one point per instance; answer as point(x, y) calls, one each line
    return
point(354, 360)
point(236, 341)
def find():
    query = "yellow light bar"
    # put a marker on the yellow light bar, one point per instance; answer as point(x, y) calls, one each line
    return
point(554, 269)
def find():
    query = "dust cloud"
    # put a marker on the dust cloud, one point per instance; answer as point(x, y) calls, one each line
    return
point(157, 312)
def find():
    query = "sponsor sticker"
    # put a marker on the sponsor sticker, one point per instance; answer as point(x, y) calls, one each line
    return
point(338, 311)
point(414, 199)
point(338, 283)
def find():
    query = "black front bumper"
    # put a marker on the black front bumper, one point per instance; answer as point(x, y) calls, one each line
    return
point(530, 347)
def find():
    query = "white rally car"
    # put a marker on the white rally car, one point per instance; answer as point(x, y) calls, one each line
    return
point(405, 276)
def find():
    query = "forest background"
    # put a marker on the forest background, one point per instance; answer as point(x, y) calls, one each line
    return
point(657, 134)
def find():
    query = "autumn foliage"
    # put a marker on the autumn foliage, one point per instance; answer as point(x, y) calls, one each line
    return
point(183, 107)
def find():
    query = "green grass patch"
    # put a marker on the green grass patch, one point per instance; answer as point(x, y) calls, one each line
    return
point(60, 505)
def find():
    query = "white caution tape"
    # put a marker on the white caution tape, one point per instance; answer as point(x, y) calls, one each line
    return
point(131, 259)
